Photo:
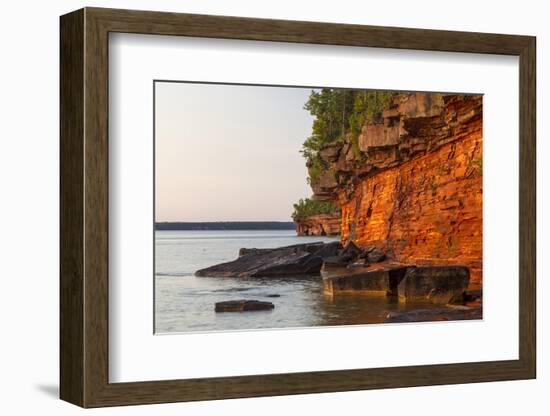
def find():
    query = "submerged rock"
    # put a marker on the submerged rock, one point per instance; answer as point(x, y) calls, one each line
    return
point(295, 260)
point(445, 284)
point(439, 314)
point(243, 306)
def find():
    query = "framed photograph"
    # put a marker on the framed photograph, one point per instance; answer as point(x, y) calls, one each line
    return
point(254, 207)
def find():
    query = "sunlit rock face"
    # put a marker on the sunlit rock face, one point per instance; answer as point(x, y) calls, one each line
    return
point(319, 225)
point(415, 189)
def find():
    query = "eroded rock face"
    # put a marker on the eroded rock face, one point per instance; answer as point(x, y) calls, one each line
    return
point(319, 225)
point(425, 211)
point(331, 152)
point(416, 189)
point(384, 134)
point(415, 124)
point(295, 260)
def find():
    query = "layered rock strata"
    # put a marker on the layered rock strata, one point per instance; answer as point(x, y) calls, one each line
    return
point(414, 190)
point(319, 225)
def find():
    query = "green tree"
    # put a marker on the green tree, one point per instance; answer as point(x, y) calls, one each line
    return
point(367, 106)
point(339, 115)
point(307, 207)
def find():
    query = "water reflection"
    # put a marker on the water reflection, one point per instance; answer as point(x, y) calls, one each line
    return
point(360, 309)
point(187, 304)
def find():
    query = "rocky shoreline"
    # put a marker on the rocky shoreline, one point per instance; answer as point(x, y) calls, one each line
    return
point(403, 190)
point(295, 260)
point(356, 271)
point(411, 184)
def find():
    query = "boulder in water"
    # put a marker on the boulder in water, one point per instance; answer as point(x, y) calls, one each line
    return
point(243, 305)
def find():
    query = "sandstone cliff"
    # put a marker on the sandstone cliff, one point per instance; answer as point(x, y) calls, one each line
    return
point(320, 224)
point(413, 187)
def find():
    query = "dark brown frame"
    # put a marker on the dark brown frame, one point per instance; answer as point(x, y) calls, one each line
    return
point(84, 207)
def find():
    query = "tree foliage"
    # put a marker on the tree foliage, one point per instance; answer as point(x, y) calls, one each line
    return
point(307, 207)
point(339, 115)
point(368, 106)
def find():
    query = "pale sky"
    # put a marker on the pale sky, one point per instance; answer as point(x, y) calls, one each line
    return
point(229, 152)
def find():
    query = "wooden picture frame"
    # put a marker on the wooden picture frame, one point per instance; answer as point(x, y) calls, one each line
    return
point(84, 207)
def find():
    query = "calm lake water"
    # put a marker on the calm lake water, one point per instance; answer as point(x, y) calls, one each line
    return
point(185, 303)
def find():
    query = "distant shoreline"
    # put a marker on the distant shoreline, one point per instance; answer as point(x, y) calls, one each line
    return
point(225, 225)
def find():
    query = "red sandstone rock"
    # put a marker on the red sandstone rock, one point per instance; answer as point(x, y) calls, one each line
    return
point(322, 224)
point(330, 153)
point(419, 104)
point(379, 135)
point(417, 191)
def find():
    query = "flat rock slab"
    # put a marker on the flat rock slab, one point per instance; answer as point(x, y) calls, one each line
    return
point(434, 284)
point(445, 284)
point(438, 314)
point(295, 260)
point(382, 281)
point(332, 262)
point(243, 305)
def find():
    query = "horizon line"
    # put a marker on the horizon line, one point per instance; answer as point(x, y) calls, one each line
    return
point(220, 221)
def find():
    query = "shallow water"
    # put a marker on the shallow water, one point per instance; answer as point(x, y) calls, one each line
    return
point(185, 303)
